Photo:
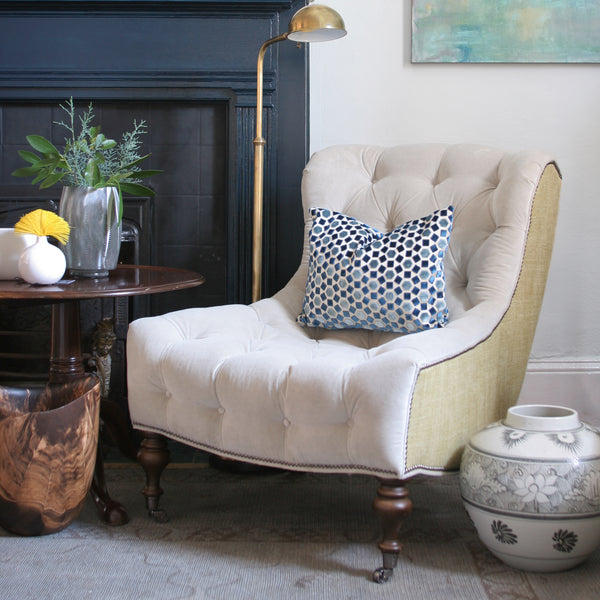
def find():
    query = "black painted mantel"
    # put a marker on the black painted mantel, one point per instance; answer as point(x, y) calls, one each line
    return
point(176, 51)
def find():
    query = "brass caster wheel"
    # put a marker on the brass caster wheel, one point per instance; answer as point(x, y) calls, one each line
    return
point(159, 515)
point(382, 575)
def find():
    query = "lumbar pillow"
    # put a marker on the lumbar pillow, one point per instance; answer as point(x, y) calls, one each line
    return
point(361, 278)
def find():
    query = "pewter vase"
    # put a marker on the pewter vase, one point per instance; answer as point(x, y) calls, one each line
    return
point(95, 238)
point(531, 485)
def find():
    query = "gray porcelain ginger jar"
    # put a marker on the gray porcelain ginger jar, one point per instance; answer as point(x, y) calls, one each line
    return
point(531, 485)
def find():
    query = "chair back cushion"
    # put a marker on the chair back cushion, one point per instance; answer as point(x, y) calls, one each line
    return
point(491, 192)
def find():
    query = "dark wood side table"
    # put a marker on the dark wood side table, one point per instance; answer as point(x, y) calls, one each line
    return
point(66, 360)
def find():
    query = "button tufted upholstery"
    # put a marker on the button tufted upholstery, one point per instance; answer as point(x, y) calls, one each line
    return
point(248, 382)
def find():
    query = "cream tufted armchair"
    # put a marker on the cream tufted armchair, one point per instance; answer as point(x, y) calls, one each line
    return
point(250, 383)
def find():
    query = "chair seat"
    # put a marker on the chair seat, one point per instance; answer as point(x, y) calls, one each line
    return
point(270, 394)
point(276, 393)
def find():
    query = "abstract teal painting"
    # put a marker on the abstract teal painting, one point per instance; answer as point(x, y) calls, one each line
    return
point(499, 31)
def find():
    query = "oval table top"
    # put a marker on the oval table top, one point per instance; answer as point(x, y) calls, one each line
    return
point(125, 280)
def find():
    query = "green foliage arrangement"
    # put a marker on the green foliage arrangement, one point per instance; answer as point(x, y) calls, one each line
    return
point(89, 158)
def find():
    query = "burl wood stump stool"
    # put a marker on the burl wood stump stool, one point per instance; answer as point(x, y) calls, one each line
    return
point(48, 442)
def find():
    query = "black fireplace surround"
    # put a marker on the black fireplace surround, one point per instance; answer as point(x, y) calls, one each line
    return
point(188, 68)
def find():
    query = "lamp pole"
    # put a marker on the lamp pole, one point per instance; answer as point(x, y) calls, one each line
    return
point(259, 159)
point(312, 23)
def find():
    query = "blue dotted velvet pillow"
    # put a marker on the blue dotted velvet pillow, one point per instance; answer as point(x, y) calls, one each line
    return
point(361, 278)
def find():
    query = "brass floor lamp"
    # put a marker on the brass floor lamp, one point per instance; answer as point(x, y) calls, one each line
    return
point(314, 23)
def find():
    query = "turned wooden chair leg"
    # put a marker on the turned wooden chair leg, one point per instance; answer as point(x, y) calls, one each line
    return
point(154, 456)
point(392, 505)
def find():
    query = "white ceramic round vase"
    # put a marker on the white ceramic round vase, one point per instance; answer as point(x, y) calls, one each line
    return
point(531, 485)
point(42, 263)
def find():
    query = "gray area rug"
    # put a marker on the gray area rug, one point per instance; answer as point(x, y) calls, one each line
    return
point(282, 535)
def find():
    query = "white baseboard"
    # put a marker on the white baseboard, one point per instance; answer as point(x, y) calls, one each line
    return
point(572, 384)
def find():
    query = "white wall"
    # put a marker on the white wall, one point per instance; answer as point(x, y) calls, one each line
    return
point(364, 89)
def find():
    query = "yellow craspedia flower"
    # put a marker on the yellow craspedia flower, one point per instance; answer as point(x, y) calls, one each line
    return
point(44, 222)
